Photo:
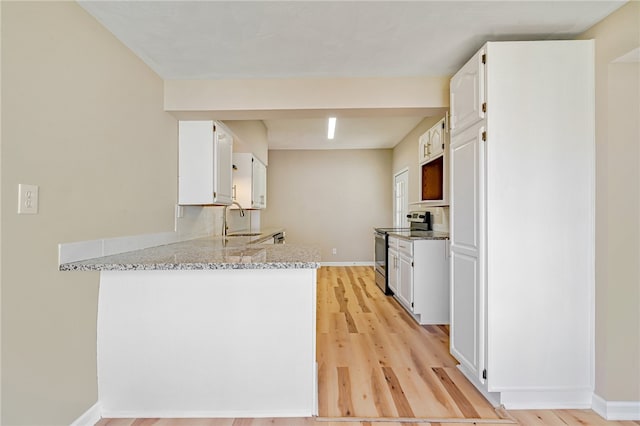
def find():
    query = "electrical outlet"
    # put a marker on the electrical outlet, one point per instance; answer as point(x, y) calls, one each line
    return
point(334, 250)
point(27, 199)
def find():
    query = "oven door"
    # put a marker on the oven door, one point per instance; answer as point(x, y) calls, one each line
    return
point(381, 260)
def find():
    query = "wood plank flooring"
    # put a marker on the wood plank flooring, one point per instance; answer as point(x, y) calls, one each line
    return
point(375, 361)
point(377, 366)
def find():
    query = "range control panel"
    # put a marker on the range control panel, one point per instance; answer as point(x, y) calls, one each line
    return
point(419, 217)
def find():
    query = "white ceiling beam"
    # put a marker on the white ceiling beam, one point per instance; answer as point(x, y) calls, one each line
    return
point(270, 98)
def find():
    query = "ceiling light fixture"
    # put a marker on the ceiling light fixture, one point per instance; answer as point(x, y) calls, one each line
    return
point(332, 128)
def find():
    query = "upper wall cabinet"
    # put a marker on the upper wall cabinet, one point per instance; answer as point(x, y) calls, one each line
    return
point(204, 163)
point(467, 95)
point(249, 181)
point(432, 143)
point(434, 166)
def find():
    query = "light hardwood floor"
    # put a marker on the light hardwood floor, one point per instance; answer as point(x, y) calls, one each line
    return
point(379, 367)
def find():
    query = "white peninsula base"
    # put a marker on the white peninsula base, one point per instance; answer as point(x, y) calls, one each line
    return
point(207, 343)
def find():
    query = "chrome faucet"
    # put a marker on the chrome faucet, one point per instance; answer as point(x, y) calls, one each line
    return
point(225, 228)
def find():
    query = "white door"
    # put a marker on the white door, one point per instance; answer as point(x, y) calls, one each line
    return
point(467, 292)
point(401, 199)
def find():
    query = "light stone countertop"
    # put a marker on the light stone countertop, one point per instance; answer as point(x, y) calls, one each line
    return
point(208, 253)
point(420, 235)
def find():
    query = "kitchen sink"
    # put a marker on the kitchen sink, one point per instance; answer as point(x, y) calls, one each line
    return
point(244, 234)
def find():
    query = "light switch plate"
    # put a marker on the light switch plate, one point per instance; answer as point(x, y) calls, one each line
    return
point(27, 199)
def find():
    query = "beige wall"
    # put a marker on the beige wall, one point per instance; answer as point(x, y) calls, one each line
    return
point(617, 206)
point(333, 198)
point(251, 136)
point(83, 118)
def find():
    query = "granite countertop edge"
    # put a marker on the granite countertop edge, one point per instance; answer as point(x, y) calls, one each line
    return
point(426, 235)
point(79, 266)
point(208, 253)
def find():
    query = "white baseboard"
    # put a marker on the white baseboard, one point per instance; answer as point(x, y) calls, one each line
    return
point(547, 399)
point(184, 414)
point(616, 410)
point(347, 264)
point(492, 397)
point(90, 417)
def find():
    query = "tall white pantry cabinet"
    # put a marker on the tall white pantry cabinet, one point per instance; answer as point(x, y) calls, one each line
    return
point(522, 164)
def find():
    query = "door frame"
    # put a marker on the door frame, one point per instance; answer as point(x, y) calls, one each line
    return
point(406, 197)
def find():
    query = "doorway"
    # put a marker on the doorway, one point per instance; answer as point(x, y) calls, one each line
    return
point(400, 198)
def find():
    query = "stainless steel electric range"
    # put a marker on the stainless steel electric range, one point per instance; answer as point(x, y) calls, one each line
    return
point(419, 221)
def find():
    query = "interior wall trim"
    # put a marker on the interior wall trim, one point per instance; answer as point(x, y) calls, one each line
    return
point(616, 410)
point(367, 263)
point(89, 417)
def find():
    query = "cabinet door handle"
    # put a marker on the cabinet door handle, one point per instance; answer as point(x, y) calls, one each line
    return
point(234, 192)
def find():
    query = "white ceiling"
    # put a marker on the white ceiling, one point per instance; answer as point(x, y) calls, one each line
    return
point(280, 39)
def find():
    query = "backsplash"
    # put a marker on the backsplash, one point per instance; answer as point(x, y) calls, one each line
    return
point(439, 218)
point(198, 221)
point(190, 222)
point(249, 223)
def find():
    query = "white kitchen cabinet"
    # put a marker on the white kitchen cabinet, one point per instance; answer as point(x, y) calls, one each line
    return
point(249, 181)
point(405, 273)
point(436, 142)
point(392, 267)
point(432, 142)
point(434, 166)
point(522, 223)
point(467, 93)
point(259, 184)
point(405, 281)
point(424, 146)
point(419, 273)
point(204, 163)
point(467, 304)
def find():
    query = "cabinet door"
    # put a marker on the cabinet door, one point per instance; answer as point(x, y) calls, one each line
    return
point(467, 94)
point(222, 175)
point(467, 284)
point(195, 162)
point(423, 150)
point(405, 281)
point(204, 163)
point(392, 270)
point(259, 184)
point(436, 141)
point(431, 298)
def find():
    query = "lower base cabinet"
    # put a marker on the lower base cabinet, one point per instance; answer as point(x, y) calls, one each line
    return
point(419, 278)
